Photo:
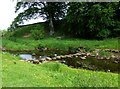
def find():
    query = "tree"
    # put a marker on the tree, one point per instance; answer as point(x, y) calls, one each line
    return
point(92, 20)
point(50, 11)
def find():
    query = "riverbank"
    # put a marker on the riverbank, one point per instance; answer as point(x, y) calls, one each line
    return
point(61, 44)
point(17, 73)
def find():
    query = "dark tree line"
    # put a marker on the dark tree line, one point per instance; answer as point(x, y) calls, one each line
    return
point(81, 19)
point(93, 20)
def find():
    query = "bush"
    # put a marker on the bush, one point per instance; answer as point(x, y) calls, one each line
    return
point(20, 32)
point(38, 34)
point(9, 35)
point(103, 34)
point(39, 46)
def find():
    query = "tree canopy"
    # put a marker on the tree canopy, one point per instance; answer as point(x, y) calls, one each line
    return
point(82, 19)
point(92, 20)
point(50, 11)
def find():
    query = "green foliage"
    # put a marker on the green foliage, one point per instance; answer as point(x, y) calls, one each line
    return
point(20, 32)
point(50, 11)
point(103, 53)
point(94, 20)
point(10, 36)
point(2, 33)
point(38, 34)
point(39, 46)
point(104, 33)
point(91, 20)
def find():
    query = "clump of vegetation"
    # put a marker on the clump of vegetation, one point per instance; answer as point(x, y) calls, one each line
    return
point(88, 49)
point(39, 46)
point(38, 34)
point(72, 49)
point(103, 53)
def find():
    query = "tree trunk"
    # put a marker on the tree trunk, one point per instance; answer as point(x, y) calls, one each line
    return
point(51, 26)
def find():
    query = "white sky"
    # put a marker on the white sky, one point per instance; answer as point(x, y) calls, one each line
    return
point(7, 14)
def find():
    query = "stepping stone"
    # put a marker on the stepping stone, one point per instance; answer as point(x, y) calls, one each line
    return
point(83, 57)
point(35, 61)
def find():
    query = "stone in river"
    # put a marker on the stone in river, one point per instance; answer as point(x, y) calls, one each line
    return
point(54, 58)
point(35, 61)
point(83, 57)
point(58, 57)
point(33, 54)
point(48, 58)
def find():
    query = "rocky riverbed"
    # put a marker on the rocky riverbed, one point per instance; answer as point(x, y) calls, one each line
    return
point(97, 59)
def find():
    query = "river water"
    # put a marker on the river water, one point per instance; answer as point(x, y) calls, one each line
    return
point(90, 63)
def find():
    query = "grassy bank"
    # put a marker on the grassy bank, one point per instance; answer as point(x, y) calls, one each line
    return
point(23, 74)
point(64, 44)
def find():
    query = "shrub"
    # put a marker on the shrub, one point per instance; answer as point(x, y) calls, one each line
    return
point(38, 34)
point(8, 34)
point(39, 46)
point(103, 53)
point(103, 34)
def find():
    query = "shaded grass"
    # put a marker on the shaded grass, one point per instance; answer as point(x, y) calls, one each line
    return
point(64, 44)
point(17, 73)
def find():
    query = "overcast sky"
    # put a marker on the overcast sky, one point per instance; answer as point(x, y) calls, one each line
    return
point(7, 14)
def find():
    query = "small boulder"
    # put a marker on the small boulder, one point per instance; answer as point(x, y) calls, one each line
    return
point(76, 56)
point(35, 61)
point(29, 60)
point(83, 57)
point(55, 55)
point(43, 59)
point(88, 54)
point(62, 56)
point(54, 58)
point(45, 49)
point(40, 61)
point(82, 53)
point(33, 54)
point(48, 58)
point(116, 62)
point(58, 57)
point(112, 56)
point(101, 58)
point(107, 58)
point(63, 61)
point(92, 55)
point(115, 51)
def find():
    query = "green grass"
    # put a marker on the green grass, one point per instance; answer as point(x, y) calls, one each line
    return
point(28, 43)
point(52, 74)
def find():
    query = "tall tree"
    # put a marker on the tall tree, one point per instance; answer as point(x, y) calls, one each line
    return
point(50, 11)
point(92, 20)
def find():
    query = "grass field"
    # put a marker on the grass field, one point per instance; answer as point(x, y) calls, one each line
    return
point(16, 73)
point(64, 44)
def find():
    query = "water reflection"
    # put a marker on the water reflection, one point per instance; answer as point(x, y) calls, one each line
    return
point(27, 57)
